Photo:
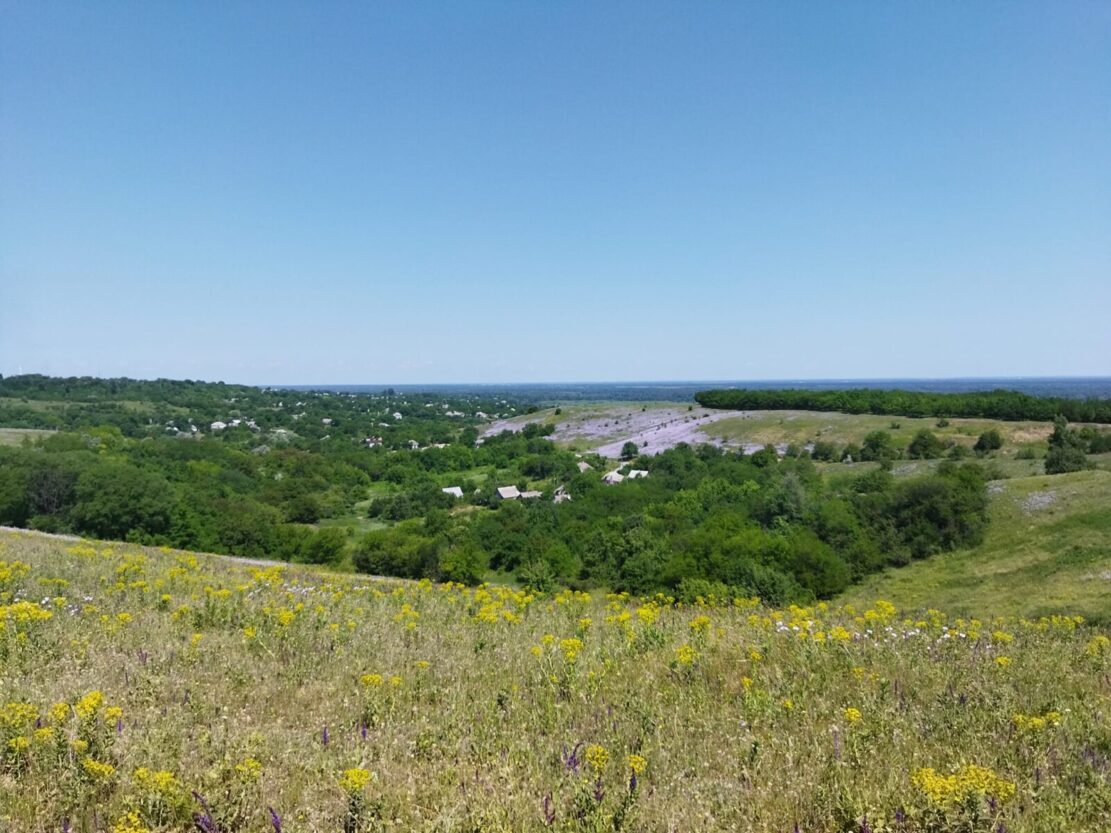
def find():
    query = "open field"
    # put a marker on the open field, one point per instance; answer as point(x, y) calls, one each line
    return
point(145, 686)
point(801, 427)
point(605, 427)
point(16, 436)
point(1048, 548)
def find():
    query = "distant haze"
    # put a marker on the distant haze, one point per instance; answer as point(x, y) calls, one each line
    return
point(504, 192)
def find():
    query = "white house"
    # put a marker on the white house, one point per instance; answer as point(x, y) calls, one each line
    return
point(397, 414)
point(612, 478)
point(530, 495)
point(561, 495)
point(218, 426)
point(635, 473)
point(326, 420)
point(454, 491)
point(584, 466)
point(507, 493)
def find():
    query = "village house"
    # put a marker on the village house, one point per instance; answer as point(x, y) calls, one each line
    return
point(561, 495)
point(454, 491)
point(635, 473)
point(507, 493)
point(531, 495)
point(584, 466)
point(612, 478)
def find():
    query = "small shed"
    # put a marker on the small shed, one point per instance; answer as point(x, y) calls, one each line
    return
point(507, 493)
point(454, 491)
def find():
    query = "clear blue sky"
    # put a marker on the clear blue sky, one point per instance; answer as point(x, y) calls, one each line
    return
point(418, 192)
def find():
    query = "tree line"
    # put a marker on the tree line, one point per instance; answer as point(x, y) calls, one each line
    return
point(996, 404)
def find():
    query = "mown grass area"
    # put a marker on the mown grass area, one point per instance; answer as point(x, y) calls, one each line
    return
point(801, 427)
point(1047, 549)
point(146, 690)
point(17, 436)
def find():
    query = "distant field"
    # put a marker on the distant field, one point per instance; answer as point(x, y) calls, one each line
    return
point(605, 426)
point(16, 436)
point(801, 427)
point(1048, 549)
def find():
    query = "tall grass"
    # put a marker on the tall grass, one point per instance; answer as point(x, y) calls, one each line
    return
point(157, 691)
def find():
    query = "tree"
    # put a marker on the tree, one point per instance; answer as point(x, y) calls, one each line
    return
point(1067, 450)
point(115, 500)
point(629, 451)
point(990, 440)
point(878, 446)
point(925, 446)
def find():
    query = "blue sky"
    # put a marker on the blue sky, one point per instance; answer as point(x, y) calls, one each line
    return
point(491, 192)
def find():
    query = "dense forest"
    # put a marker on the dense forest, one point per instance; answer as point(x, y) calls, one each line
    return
point(996, 404)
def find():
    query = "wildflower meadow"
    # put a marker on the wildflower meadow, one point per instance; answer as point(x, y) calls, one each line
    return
point(146, 690)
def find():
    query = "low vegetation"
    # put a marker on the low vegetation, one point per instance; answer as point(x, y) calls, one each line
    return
point(148, 690)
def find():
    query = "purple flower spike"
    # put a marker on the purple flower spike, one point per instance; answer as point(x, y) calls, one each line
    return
point(66, 828)
point(275, 820)
point(362, 730)
point(633, 783)
point(324, 735)
point(204, 821)
point(548, 810)
point(599, 790)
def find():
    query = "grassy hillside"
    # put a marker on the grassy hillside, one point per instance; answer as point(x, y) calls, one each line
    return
point(146, 689)
point(1048, 550)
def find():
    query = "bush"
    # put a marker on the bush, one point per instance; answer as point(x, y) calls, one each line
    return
point(990, 440)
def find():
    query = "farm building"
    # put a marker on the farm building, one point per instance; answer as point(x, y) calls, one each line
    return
point(507, 493)
point(454, 491)
point(612, 478)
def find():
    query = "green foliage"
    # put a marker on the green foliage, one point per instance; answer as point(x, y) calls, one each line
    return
point(990, 440)
point(925, 446)
point(629, 451)
point(997, 404)
point(1067, 450)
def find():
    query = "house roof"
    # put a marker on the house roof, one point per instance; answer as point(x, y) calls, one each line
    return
point(508, 492)
point(454, 491)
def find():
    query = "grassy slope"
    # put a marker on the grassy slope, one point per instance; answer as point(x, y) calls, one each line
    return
point(1047, 550)
point(478, 708)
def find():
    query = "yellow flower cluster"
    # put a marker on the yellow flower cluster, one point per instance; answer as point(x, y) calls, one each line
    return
point(971, 781)
point(89, 705)
point(131, 823)
point(1098, 646)
point(160, 782)
point(98, 770)
point(685, 655)
point(636, 763)
point(355, 780)
point(1033, 723)
point(852, 715)
point(700, 625)
point(571, 648)
point(597, 757)
point(249, 768)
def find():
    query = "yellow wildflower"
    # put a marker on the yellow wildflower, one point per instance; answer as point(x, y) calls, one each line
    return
point(597, 757)
point(636, 763)
point(355, 780)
